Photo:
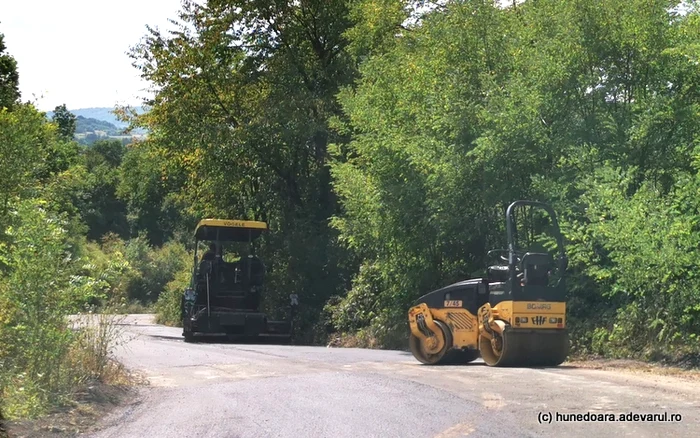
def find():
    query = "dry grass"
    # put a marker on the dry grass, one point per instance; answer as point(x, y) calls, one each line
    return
point(97, 337)
point(90, 405)
point(133, 307)
point(353, 340)
point(91, 401)
point(95, 383)
point(637, 367)
point(369, 339)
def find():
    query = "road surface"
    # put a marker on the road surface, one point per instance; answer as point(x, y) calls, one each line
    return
point(229, 390)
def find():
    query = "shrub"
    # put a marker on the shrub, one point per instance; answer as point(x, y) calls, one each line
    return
point(168, 305)
point(154, 268)
point(43, 361)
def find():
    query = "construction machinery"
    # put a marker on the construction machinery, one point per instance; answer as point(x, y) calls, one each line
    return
point(226, 286)
point(516, 315)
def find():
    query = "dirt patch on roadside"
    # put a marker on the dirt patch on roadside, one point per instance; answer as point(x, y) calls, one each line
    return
point(637, 367)
point(3, 429)
point(83, 415)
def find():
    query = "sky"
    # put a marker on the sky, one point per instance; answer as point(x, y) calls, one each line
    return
point(75, 52)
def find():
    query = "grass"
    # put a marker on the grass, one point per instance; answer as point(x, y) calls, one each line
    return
point(370, 338)
point(133, 308)
point(83, 373)
point(88, 407)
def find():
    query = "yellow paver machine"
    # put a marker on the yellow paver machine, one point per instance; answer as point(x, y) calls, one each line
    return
point(227, 284)
point(516, 316)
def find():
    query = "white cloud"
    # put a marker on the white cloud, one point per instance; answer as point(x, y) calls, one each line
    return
point(74, 51)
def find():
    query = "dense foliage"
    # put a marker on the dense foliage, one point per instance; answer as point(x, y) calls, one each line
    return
point(591, 106)
point(45, 270)
point(62, 253)
point(383, 141)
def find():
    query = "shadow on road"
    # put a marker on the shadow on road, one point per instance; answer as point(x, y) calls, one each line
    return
point(451, 364)
point(559, 367)
point(168, 337)
point(223, 339)
point(482, 364)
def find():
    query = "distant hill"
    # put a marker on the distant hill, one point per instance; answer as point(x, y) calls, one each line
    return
point(103, 114)
point(87, 124)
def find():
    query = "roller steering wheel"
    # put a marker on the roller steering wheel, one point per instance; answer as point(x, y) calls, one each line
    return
point(518, 255)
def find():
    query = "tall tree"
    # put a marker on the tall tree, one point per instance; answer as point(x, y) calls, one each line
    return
point(245, 93)
point(65, 120)
point(9, 78)
point(101, 209)
point(25, 140)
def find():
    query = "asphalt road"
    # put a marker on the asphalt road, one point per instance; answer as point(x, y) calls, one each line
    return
point(229, 390)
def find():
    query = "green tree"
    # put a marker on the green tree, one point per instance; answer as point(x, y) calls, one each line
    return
point(24, 144)
point(418, 207)
point(148, 184)
point(101, 209)
point(65, 121)
point(240, 125)
point(9, 78)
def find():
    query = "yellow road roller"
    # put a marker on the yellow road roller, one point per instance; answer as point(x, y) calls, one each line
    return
point(516, 315)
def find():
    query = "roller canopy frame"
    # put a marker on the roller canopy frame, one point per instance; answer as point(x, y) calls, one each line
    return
point(510, 229)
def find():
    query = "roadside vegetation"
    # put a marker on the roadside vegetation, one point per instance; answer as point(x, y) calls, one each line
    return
point(381, 141)
point(68, 255)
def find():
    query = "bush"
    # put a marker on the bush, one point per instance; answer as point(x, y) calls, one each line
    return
point(154, 268)
point(42, 361)
point(359, 318)
point(359, 308)
point(640, 251)
point(168, 305)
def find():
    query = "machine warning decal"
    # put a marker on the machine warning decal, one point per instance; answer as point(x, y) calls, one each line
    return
point(453, 303)
point(461, 321)
point(539, 320)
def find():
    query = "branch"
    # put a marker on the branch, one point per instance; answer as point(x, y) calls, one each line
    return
point(259, 153)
